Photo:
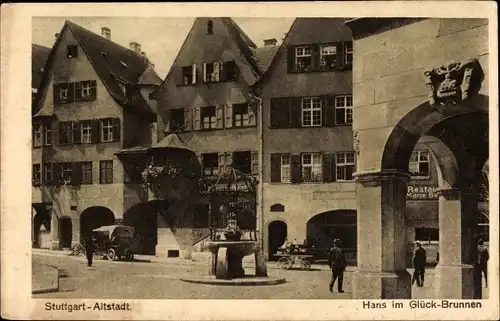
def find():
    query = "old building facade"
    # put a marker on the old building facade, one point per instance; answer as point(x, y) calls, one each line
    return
point(92, 103)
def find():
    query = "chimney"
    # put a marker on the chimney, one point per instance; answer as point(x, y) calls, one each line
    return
point(270, 42)
point(56, 35)
point(106, 32)
point(135, 47)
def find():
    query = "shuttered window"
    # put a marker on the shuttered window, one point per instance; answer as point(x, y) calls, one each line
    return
point(106, 172)
point(48, 173)
point(343, 110)
point(345, 166)
point(303, 167)
point(86, 172)
point(209, 119)
point(320, 57)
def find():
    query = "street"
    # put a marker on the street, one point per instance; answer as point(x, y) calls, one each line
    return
point(161, 280)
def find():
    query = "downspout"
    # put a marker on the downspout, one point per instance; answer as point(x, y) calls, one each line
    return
point(260, 196)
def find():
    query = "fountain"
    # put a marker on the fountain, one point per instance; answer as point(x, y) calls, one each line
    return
point(233, 232)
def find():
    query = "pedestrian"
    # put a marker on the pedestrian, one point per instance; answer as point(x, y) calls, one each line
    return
point(419, 261)
point(337, 263)
point(89, 250)
point(482, 260)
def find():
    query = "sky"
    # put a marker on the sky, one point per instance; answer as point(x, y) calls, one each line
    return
point(160, 38)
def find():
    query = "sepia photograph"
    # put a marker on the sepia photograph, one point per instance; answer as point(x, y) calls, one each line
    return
point(262, 158)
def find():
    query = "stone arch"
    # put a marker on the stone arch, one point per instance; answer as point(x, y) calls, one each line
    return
point(94, 217)
point(277, 232)
point(324, 227)
point(65, 232)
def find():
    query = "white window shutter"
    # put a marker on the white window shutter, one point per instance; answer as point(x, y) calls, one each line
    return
point(188, 119)
point(219, 116)
point(216, 70)
point(204, 72)
point(228, 114)
point(194, 74)
point(197, 116)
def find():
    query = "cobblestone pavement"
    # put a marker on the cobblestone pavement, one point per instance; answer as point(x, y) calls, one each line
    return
point(154, 280)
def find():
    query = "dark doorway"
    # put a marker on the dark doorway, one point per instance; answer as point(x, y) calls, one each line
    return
point(65, 232)
point(144, 218)
point(277, 233)
point(94, 217)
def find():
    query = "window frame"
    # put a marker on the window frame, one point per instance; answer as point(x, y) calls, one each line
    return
point(105, 172)
point(347, 110)
point(63, 131)
point(180, 113)
point(103, 127)
point(85, 171)
point(316, 169)
point(212, 118)
point(418, 162)
point(339, 165)
point(47, 133)
point(303, 55)
point(185, 73)
point(36, 175)
point(85, 125)
point(48, 168)
point(37, 135)
point(322, 63)
point(214, 170)
point(72, 51)
point(348, 52)
point(249, 165)
point(66, 172)
point(311, 109)
point(285, 168)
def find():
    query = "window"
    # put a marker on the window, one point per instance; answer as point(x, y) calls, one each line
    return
point(311, 167)
point(106, 172)
point(189, 75)
point(328, 57)
point(66, 172)
point(208, 117)
point(343, 110)
point(63, 94)
point(242, 162)
point(240, 115)
point(86, 90)
point(107, 130)
point(311, 112)
point(285, 168)
point(66, 132)
point(47, 134)
point(303, 58)
point(211, 72)
point(177, 120)
point(345, 165)
point(72, 51)
point(36, 175)
point(133, 171)
point(210, 27)
point(37, 135)
point(210, 163)
point(419, 164)
point(228, 71)
point(348, 53)
point(426, 234)
point(86, 170)
point(86, 131)
point(48, 174)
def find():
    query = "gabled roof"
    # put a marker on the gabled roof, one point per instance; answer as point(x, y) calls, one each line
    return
point(172, 141)
point(149, 77)
point(114, 64)
point(308, 31)
point(265, 56)
point(244, 44)
point(39, 55)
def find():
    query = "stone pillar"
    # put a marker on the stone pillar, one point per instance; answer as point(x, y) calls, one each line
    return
point(470, 237)
point(166, 241)
point(454, 279)
point(54, 230)
point(381, 271)
point(76, 231)
point(260, 263)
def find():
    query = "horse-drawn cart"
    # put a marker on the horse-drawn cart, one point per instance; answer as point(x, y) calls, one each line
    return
point(291, 254)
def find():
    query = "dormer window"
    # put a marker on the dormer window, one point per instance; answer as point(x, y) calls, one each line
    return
point(72, 51)
point(123, 64)
point(104, 55)
point(210, 27)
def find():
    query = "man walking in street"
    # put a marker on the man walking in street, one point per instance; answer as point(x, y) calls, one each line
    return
point(89, 250)
point(482, 260)
point(337, 262)
point(419, 261)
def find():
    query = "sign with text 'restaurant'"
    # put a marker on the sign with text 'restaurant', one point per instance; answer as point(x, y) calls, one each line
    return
point(421, 192)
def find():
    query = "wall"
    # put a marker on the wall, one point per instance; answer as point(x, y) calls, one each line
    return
point(388, 73)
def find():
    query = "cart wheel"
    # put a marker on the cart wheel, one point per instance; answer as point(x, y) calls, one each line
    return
point(285, 263)
point(111, 254)
point(306, 265)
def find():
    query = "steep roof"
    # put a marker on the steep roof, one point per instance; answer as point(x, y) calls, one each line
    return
point(149, 77)
point(244, 44)
point(310, 30)
point(114, 64)
point(39, 55)
point(172, 141)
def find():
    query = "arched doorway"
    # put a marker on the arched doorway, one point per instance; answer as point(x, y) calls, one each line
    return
point(277, 234)
point(65, 232)
point(144, 218)
point(323, 228)
point(94, 217)
point(41, 227)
